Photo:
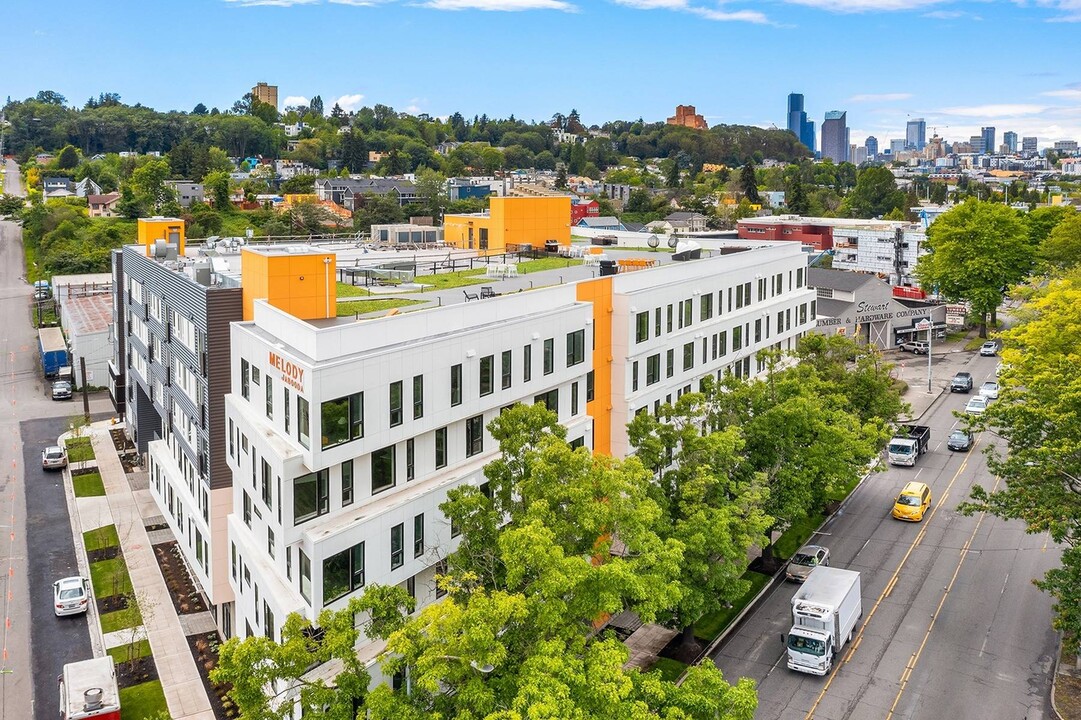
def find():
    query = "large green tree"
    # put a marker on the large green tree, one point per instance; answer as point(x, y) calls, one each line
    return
point(976, 251)
point(1061, 249)
point(748, 183)
point(1038, 414)
point(876, 194)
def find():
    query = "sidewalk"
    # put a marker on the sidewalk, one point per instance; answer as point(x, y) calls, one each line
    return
point(180, 681)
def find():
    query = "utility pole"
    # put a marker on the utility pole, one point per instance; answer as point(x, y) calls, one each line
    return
point(86, 395)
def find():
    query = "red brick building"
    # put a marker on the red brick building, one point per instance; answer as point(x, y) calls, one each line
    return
point(817, 232)
point(686, 117)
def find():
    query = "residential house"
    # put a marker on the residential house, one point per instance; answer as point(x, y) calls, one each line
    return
point(57, 187)
point(679, 222)
point(604, 222)
point(102, 205)
point(87, 187)
point(350, 192)
point(584, 208)
point(187, 192)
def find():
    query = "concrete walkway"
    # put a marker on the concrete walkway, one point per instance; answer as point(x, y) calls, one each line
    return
point(184, 691)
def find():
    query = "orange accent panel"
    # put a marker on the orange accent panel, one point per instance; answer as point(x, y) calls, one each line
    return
point(599, 292)
point(150, 230)
point(302, 285)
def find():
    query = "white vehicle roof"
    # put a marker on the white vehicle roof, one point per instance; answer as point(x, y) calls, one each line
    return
point(826, 585)
point(84, 675)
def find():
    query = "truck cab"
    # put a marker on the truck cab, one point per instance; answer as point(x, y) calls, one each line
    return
point(809, 651)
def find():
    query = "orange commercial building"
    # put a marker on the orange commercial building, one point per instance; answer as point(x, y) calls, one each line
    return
point(686, 117)
point(299, 281)
point(519, 221)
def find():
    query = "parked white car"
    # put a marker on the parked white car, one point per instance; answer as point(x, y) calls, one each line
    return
point(71, 596)
point(989, 390)
point(977, 405)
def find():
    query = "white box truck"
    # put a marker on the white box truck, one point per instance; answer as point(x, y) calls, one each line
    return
point(88, 690)
point(825, 611)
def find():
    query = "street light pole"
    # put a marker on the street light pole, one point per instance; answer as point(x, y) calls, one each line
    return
point(930, 328)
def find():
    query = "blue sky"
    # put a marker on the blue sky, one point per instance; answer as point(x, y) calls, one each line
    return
point(1013, 64)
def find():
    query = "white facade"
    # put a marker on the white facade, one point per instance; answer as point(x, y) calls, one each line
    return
point(384, 525)
point(889, 249)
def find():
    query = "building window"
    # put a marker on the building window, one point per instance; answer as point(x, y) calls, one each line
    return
point(232, 556)
point(255, 374)
point(305, 577)
point(641, 327)
point(687, 308)
point(342, 573)
point(706, 304)
point(303, 431)
point(550, 400)
point(247, 510)
point(657, 322)
point(505, 369)
point(347, 483)
point(396, 414)
point(576, 347)
point(474, 435)
point(487, 375)
point(669, 323)
point(285, 409)
point(653, 369)
point(440, 448)
point(813, 312)
point(670, 363)
point(383, 469)
point(397, 546)
point(456, 385)
point(311, 496)
point(722, 342)
point(634, 376)
point(527, 363)
point(802, 313)
point(574, 399)
point(440, 570)
point(418, 397)
point(799, 277)
point(268, 488)
point(589, 386)
point(245, 378)
point(269, 398)
point(688, 356)
point(410, 460)
point(549, 356)
point(737, 337)
point(418, 535)
point(270, 542)
point(343, 419)
point(758, 330)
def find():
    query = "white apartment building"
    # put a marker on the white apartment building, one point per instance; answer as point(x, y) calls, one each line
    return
point(344, 437)
point(890, 249)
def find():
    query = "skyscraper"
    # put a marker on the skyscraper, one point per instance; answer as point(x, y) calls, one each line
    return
point(916, 134)
point(975, 144)
point(988, 135)
point(871, 143)
point(835, 136)
point(265, 93)
point(1028, 146)
point(1009, 138)
point(797, 121)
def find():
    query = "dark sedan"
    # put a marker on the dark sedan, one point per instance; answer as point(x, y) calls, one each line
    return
point(959, 440)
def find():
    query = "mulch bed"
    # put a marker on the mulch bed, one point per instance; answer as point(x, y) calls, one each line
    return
point(93, 556)
point(131, 462)
point(83, 471)
point(111, 603)
point(144, 670)
point(186, 599)
point(204, 648)
point(121, 441)
point(685, 652)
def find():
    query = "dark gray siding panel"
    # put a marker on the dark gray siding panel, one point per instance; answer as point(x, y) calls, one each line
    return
point(224, 306)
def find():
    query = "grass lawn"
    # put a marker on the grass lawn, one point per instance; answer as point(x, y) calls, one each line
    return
point(446, 281)
point(122, 654)
point(796, 535)
point(102, 537)
point(347, 290)
point(143, 701)
point(79, 449)
point(120, 619)
point(367, 306)
point(669, 669)
point(110, 577)
point(89, 485)
point(713, 625)
point(541, 264)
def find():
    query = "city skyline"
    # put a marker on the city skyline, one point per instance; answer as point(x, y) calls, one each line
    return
point(229, 45)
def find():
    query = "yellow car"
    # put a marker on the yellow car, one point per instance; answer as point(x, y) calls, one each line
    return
point(913, 501)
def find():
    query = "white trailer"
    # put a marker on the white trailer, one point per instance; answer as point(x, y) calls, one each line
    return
point(825, 611)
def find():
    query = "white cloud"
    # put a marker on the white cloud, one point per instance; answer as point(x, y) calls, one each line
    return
point(859, 6)
point(1069, 94)
point(944, 14)
point(1070, 9)
point(356, 3)
point(295, 100)
point(349, 103)
point(654, 4)
point(751, 16)
point(880, 97)
point(500, 5)
point(994, 111)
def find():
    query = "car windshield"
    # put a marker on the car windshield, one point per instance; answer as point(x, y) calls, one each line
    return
point(959, 435)
point(804, 559)
point(54, 454)
point(901, 448)
point(908, 500)
point(990, 386)
point(806, 645)
point(71, 593)
point(977, 402)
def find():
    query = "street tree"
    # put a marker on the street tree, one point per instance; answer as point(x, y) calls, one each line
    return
point(977, 250)
point(796, 197)
point(216, 185)
point(748, 183)
point(431, 191)
point(876, 194)
point(1038, 414)
point(1061, 249)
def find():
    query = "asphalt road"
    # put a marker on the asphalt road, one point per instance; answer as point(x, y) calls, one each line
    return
point(57, 640)
point(952, 626)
